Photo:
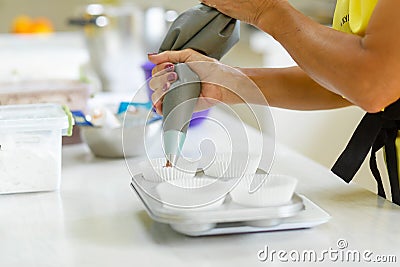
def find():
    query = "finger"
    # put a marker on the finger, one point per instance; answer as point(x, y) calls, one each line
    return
point(162, 68)
point(156, 83)
point(158, 108)
point(159, 82)
point(171, 56)
point(208, 3)
point(204, 103)
point(158, 94)
point(157, 98)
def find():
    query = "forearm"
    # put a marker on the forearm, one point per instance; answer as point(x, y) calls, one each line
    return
point(292, 88)
point(360, 68)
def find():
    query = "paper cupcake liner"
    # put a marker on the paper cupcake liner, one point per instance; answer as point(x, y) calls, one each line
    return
point(276, 190)
point(155, 170)
point(232, 165)
point(192, 194)
point(192, 182)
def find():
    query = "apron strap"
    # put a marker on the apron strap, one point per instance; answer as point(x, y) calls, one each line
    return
point(358, 147)
point(375, 172)
point(391, 162)
point(376, 130)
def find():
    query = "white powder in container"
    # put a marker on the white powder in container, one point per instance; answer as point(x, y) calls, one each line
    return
point(30, 147)
point(28, 170)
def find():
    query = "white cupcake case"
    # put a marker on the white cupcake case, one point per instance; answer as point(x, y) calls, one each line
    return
point(230, 218)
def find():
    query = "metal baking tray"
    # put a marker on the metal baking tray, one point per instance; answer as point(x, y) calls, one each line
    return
point(230, 218)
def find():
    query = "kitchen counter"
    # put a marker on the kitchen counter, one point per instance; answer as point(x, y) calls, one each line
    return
point(97, 220)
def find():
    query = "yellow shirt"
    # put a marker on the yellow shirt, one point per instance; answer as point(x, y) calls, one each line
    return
point(352, 16)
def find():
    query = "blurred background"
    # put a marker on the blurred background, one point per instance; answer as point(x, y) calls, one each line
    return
point(108, 39)
point(103, 44)
point(58, 10)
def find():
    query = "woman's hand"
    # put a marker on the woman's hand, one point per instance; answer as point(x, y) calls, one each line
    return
point(249, 11)
point(212, 73)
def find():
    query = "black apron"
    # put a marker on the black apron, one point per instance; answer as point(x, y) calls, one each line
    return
point(376, 130)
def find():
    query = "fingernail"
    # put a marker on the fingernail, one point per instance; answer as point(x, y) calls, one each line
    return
point(165, 87)
point(151, 54)
point(171, 77)
point(169, 67)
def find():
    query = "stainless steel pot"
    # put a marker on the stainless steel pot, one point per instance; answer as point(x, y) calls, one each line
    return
point(114, 38)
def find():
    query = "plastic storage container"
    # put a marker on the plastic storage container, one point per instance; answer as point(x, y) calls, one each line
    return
point(30, 147)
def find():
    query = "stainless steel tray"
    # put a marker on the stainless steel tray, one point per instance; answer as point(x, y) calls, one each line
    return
point(231, 217)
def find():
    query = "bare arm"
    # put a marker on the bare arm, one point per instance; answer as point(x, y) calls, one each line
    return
point(289, 88)
point(292, 88)
point(363, 69)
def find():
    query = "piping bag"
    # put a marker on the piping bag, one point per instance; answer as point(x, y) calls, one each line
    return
point(209, 32)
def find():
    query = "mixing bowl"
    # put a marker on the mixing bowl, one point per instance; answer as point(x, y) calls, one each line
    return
point(120, 142)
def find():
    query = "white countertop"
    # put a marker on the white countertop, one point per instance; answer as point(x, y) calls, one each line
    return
point(97, 220)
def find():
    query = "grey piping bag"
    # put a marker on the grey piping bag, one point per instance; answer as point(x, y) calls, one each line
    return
point(203, 29)
point(209, 32)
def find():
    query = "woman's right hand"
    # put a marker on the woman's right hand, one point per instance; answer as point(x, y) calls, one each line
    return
point(244, 10)
point(217, 78)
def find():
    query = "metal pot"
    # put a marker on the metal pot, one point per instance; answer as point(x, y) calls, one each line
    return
point(113, 37)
